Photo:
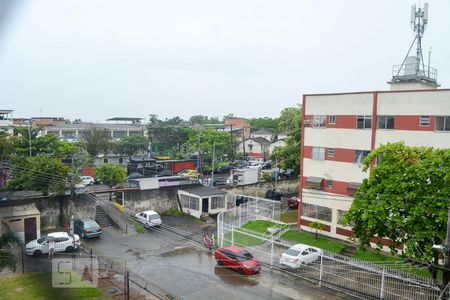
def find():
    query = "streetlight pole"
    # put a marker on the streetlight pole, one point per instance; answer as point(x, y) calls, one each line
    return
point(29, 136)
point(212, 167)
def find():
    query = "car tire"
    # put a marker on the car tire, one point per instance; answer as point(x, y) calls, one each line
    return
point(220, 263)
point(37, 253)
point(241, 271)
point(70, 249)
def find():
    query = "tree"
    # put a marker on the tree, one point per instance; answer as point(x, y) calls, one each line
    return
point(38, 173)
point(111, 175)
point(405, 199)
point(316, 225)
point(6, 147)
point(288, 157)
point(7, 258)
point(40, 145)
point(130, 145)
point(266, 122)
point(167, 136)
point(97, 141)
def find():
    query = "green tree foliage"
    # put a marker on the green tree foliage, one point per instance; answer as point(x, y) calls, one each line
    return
point(266, 122)
point(167, 136)
point(130, 145)
point(7, 258)
point(38, 173)
point(405, 199)
point(6, 147)
point(97, 141)
point(111, 175)
point(40, 145)
point(204, 140)
point(288, 157)
point(199, 119)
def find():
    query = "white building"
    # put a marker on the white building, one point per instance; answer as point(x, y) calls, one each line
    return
point(6, 120)
point(202, 200)
point(263, 133)
point(256, 148)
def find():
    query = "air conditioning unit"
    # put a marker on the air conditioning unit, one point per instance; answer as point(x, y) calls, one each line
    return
point(307, 122)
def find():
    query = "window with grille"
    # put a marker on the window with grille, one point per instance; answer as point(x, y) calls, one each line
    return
point(364, 122)
point(331, 152)
point(424, 121)
point(316, 212)
point(442, 123)
point(329, 183)
point(189, 202)
point(360, 155)
point(386, 122)
point(318, 153)
point(319, 121)
point(217, 202)
point(332, 119)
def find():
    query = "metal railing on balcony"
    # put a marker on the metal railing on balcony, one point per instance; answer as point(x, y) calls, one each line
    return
point(414, 71)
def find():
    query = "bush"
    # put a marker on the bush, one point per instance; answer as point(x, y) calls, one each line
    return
point(174, 212)
point(139, 228)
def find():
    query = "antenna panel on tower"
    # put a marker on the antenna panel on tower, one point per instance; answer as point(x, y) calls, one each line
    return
point(425, 13)
point(413, 13)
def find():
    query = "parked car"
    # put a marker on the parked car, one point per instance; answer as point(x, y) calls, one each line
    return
point(63, 242)
point(149, 218)
point(223, 170)
point(266, 165)
point(189, 174)
point(87, 228)
point(165, 173)
point(300, 254)
point(241, 200)
point(293, 202)
point(274, 195)
point(85, 181)
point(134, 175)
point(238, 259)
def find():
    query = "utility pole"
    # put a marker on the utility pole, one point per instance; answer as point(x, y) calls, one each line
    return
point(212, 167)
point(143, 165)
point(243, 141)
point(29, 135)
point(232, 156)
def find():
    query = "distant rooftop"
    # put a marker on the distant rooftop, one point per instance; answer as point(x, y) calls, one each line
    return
point(125, 119)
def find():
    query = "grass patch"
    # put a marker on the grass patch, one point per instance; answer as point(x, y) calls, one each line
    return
point(175, 212)
point(39, 286)
point(138, 227)
point(259, 226)
point(290, 216)
point(241, 239)
point(309, 239)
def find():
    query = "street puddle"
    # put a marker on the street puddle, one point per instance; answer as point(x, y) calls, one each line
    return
point(234, 278)
point(183, 250)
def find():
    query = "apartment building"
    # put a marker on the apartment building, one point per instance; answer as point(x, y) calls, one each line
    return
point(340, 129)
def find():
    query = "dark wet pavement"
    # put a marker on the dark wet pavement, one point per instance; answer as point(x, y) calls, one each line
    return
point(191, 272)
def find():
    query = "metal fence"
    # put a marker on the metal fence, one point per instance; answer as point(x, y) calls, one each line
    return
point(354, 277)
point(110, 272)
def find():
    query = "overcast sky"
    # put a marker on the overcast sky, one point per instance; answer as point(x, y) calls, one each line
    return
point(99, 59)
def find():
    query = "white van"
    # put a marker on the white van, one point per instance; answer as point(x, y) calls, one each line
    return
point(149, 218)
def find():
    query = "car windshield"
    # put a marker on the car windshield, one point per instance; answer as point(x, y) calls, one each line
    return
point(244, 255)
point(154, 217)
point(42, 239)
point(292, 252)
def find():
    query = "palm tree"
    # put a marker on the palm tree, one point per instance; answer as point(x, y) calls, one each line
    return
point(316, 225)
point(7, 258)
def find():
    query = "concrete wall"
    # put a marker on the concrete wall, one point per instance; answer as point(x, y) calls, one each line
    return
point(290, 186)
point(159, 200)
point(56, 211)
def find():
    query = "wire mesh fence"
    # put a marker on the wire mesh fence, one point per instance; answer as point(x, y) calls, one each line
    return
point(357, 278)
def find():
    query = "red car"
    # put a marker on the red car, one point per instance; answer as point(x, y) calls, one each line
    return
point(293, 203)
point(237, 258)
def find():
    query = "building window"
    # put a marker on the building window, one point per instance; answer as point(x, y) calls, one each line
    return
point(331, 152)
point(442, 123)
point(319, 121)
point(316, 212)
point(189, 202)
point(364, 122)
point(332, 119)
point(360, 155)
point(217, 202)
point(105, 160)
point(119, 134)
point(120, 160)
point(340, 214)
point(318, 153)
point(424, 121)
point(386, 122)
point(329, 183)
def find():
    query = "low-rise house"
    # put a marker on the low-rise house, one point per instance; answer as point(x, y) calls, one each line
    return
point(264, 133)
point(277, 144)
point(254, 148)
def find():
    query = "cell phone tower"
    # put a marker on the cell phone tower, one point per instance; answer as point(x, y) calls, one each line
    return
point(413, 68)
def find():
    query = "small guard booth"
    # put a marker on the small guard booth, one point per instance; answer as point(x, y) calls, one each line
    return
point(202, 200)
point(24, 220)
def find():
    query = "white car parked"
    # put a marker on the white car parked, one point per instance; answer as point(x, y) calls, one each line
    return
point(300, 254)
point(149, 218)
point(63, 242)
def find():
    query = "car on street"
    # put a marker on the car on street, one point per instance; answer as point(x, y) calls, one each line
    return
point(238, 259)
point(85, 181)
point(63, 242)
point(87, 228)
point(293, 202)
point(149, 218)
point(134, 175)
point(189, 174)
point(300, 254)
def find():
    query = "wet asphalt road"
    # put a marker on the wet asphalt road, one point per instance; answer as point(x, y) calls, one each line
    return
point(191, 272)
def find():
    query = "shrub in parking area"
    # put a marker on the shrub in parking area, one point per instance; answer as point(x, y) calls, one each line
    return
point(175, 212)
point(139, 228)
